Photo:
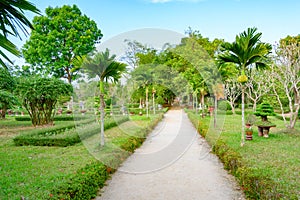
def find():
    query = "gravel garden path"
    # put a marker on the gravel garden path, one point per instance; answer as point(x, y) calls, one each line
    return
point(173, 163)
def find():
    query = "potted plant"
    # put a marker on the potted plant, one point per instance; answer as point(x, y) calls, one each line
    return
point(248, 130)
point(264, 110)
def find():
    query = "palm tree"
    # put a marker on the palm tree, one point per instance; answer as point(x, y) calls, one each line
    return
point(12, 18)
point(107, 69)
point(247, 51)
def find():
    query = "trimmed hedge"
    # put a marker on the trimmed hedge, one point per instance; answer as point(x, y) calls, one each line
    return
point(253, 182)
point(64, 135)
point(56, 118)
point(85, 183)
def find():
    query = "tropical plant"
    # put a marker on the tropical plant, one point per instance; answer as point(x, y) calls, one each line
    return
point(40, 95)
point(12, 19)
point(247, 51)
point(107, 69)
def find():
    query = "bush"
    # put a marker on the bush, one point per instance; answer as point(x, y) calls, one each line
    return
point(64, 135)
point(56, 118)
point(229, 112)
point(84, 184)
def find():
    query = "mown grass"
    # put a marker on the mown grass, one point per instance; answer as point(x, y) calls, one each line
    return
point(276, 158)
point(35, 172)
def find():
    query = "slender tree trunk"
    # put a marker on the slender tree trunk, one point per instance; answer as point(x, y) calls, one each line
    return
point(193, 101)
point(295, 117)
point(202, 103)
point(111, 106)
point(153, 94)
point(232, 108)
point(243, 116)
point(147, 103)
point(254, 105)
point(102, 114)
point(196, 104)
point(215, 111)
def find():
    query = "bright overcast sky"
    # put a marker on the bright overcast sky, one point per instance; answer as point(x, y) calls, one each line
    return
point(222, 19)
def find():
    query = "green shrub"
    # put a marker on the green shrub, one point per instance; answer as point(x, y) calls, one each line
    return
point(65, 135)
point(84, 184)
point(229, 112)
point(56, 118)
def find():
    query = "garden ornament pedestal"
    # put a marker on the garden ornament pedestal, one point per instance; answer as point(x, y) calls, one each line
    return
point(264, 130)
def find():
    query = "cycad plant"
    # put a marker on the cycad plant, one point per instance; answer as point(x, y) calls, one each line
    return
point(107, 69)
point(245, 52)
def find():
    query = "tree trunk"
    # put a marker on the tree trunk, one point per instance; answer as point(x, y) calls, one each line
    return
point(243, 117)
point(153, 99)
point(193, 101)
point(3, 113)
point(264, 118)
point(147, 103)
point(232, 108)
point(295, 117)
point(102, 114)
point(254, 106)
point(196, 104)
point(202, 103)
point(215, 111)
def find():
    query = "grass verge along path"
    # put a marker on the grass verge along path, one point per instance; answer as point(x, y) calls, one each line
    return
point(266, 168)
point(42, 172)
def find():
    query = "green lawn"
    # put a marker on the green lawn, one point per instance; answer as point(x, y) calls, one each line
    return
point(276, 157)
point(33, 172)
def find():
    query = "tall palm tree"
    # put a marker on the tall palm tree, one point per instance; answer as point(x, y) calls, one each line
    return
point(12, 18)
point(107, 69)
point(247, 51)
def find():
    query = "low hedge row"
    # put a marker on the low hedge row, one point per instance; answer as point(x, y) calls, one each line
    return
point(64, 135)
point(254, 184)
point(279, 116)
point(85, 183)
point(56, 118)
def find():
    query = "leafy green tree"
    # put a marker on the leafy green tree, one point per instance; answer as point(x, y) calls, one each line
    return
point(40, 95)
point(7, 85)
point(58, 39)
point(202, 74)
point(246, 51)
point(107, 69)
point(12, 19)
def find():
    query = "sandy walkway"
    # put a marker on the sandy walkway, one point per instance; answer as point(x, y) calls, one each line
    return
point(173, 163)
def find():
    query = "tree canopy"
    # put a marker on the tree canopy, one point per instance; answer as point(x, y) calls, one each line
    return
point(58, 38)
